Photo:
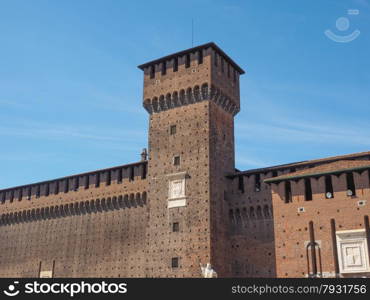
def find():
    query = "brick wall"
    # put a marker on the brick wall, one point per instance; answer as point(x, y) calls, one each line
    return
point(292, 226)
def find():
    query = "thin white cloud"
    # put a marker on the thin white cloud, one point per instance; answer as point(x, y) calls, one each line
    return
point(298, 131)
point(247, 160)
point(53, 132)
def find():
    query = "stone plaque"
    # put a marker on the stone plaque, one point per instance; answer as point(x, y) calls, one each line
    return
point(352, 251)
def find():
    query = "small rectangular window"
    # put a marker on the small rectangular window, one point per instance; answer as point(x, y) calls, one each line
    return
point(164, 68)
point(47, 189)
point(187, 61)
point(143, 171)
point(87, 181)
point(56, 187)
point(329, 193)
point(76, 184)
point(152, 71)
point(234, 76)
point(132, 174)
point(109, 178)
point(257, 182)
point(351, 189)
point(119, 176)
point(308, 189)
point(288, 192)
point(175, 64)
point(38, 191)
point(241, 183)
point(20, 195)
point(175, 262)
point(173, 129)
point(11, 197)
point(3, 198)
point(274, 173)
point(97, 179)
point(175, 227)
point(228, 70)
point(222, 65)
point(29, 193)
point(176, 160)
point(200, 57)
point(216, 59)
point(66, 185)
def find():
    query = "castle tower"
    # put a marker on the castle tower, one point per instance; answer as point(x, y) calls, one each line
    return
point(192, 97)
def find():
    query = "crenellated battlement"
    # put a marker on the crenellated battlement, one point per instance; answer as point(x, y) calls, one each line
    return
point(126, 201)
point(190, 96)
point(197, 74)
point(80, 182)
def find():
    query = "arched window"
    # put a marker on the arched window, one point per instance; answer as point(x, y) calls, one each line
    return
point(205, 91)
point(251, 212)
point(244, 213)
point(109, 203)
point(259, 212)
point(182, 96)
point(120, 202)
point(143, 197)
point(155, 104)
point(125, 200)
point(138, 198)
point(196, 93)
point(115, 203)
point(168, 100)
point(162, 102)
point(266, 211)
point(132, 199)
point(87, 206)
point(175, 99)
point(189, 95)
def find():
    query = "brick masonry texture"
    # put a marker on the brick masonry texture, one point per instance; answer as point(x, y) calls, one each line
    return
point(117, 222)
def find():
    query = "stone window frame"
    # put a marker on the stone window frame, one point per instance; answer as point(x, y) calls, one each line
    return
point(173, 129)
point(352, 236)
point(178, 201)
point(176, 161)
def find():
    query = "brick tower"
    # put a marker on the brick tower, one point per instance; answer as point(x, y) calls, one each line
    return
point(192, 97)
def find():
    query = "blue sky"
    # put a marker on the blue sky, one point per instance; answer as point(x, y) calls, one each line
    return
point(70, 90)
